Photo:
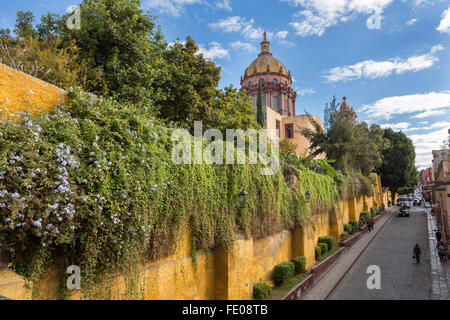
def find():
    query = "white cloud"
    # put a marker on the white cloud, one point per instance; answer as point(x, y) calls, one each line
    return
point(430, 113)
point(215, 51)
point(428, 102)
point(287, 43)
point(444, 26)
point(411, 22)
point(282, 34)
point(427, 142)
point(305, 92)
point(225, 5)
point(170, 7)
point(244, 46)
point(239, 24)
point(379, 69)
point(318, 15)
point(396, 126)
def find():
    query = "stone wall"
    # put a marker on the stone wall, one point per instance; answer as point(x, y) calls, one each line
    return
point(217, 273)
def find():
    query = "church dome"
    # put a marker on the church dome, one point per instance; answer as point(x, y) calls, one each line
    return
point(265, 62)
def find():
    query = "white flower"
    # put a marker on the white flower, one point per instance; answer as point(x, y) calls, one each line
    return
point(37, 224)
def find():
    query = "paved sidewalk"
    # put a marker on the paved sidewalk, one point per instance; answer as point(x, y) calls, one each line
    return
point(440, 272)
point(323, 287)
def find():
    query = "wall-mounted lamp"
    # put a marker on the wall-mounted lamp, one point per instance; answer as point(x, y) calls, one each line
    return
point(243, 196)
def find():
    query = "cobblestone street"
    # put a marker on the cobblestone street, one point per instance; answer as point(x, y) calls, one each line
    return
point(392, 251)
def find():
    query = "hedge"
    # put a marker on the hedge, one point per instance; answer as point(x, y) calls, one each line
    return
point(373, 211)
point(323, 247)
point(355, 225)
point(261, 290)
point(318, 252)
point(344, 235)
point(348, 228)
point(329, 240)
point(283, 272)
point(299, 263)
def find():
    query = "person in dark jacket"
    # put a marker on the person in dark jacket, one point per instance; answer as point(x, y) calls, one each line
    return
point(417, 253)
point(369, 226)
point(438, 236)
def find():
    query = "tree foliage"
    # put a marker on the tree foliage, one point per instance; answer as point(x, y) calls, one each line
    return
point(398, 171)
point(120, 52)
point(259, 108)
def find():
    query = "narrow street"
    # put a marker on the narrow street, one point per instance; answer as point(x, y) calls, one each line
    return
point(392, 251)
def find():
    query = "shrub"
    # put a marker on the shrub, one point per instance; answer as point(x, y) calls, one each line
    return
point(329, 240)
point(355, 225)
point(382, 208)
point(283, 272)
point(299, 263)
point(373, 211)
point(323, 247)
point(318, 252)
point(344, 235)
point(262, 290)
point(348, 228)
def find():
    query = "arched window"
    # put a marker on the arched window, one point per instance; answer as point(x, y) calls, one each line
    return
point(250, 84)
point(275, 102)
point(275, 81)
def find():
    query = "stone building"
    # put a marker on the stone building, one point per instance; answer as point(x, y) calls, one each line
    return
point(278, 97)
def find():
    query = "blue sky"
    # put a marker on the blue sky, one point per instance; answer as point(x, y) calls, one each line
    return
point(389, 57)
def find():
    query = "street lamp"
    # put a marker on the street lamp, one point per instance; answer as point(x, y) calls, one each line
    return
point(308, 195)
point(243, 197)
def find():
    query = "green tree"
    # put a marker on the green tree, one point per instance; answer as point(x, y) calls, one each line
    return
point(398, 171)
point(232, 109)
point(186, 89)
point(117, 37)
point(24, 24)
point(259, 108)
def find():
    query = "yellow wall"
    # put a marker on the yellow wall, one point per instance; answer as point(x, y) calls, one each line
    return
point(22, 92)
point(220, 274)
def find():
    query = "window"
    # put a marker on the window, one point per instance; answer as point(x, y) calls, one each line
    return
point(289, 131)
point(261, 81)
point(250, 84)
point(277, 127)
point(275, 81)
point(264, 101)
point(275, 103)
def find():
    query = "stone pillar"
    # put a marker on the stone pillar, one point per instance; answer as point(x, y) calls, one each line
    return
point(336, 223)
point(233, 278)
point(352, 208)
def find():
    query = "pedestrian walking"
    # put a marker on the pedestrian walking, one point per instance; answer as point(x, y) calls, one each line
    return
point(369, 226)
point(438, 236)
point(372, 223)
point(417, 253)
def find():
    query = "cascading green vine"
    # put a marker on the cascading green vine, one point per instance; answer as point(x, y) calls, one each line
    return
point(94, 182)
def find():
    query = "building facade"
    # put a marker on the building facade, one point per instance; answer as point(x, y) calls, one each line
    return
point(278, 98)
point(441, 198)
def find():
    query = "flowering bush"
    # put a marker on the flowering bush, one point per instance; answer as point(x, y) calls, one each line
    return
point(93, 182)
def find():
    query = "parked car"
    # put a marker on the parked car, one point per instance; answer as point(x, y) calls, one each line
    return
point(406, 204)
point(404, 212)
